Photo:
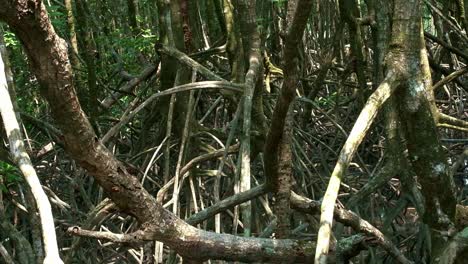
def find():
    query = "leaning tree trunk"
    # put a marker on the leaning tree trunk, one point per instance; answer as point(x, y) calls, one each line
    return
point(49, 61)
point(21, 158)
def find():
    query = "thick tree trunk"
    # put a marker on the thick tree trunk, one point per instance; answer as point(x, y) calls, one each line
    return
point(49, 61)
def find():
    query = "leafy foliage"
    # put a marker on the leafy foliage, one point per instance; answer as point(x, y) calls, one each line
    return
point(9, 176)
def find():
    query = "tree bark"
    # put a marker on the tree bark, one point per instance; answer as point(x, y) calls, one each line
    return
point(21, 158)
point(49, 61)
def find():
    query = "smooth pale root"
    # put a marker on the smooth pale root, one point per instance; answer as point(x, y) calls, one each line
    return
point(181, 88)
point(360, 128)
point(23, 161)
point(245, 177)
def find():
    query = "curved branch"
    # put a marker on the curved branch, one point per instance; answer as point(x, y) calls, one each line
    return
point(360, 128)
point(185, 59)
point(447, 46)
point(226, 203)
point(131, 84)
point(351, 219)
point(181, 88)
point(450, 77)
point(21, 158)
point(6, 256)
